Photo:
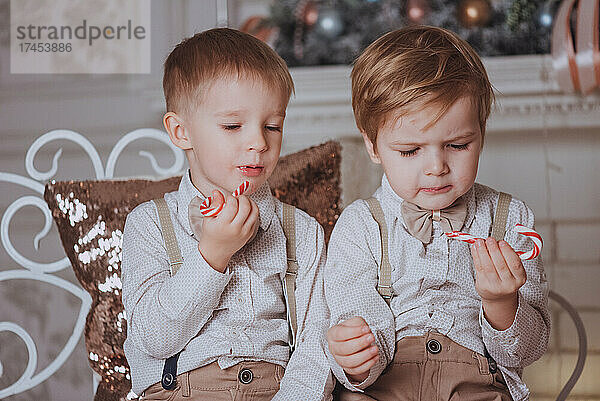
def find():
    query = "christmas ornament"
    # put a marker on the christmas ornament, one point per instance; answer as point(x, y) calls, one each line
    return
point(306, 13)
point(329, 23)
point(472, 13)
point(259, 27)
point(416, 10)
point(545, 15)
point(310, 13)
point(587, 45)
point(577, 72)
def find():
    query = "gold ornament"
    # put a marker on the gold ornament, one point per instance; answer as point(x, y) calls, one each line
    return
point(417, 10)
point(473, 13)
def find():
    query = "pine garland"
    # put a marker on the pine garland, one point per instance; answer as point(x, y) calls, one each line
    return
point(521, 12)
point(511, 29)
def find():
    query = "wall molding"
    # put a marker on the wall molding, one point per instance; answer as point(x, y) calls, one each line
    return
point(528, 98)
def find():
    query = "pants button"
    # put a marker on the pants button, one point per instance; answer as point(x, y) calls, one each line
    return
point(434, 346)
point(245, 376)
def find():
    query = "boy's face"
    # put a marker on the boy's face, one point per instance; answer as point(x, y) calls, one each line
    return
point(430, 166)
point(234, 134)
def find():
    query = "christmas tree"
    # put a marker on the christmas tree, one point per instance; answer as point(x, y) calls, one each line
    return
point(317, 32)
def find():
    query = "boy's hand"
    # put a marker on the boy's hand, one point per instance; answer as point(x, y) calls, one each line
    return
point(353, 347)
point(500, 274)
point(226, 233)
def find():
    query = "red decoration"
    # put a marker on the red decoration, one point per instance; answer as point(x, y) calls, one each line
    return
point(259, 27)
point(310, 13)
point(306, 14)
point(417, 10)
point(473, 13)
point(579, 72)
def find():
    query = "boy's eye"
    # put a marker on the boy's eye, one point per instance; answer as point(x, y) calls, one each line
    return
point(459, 146)
point(231, 127)
point(274, 128)
point(407, 153)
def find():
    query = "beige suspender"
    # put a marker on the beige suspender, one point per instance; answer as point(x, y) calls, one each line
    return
point(289, 229)
point(384, 284)
point(289, 282)
point(499, 225)
point(168, 234)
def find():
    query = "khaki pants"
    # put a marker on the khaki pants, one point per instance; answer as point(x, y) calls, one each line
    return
point(245, 381)
point(434, 368)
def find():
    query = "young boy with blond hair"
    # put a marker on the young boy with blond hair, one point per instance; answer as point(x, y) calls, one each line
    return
point(430, 318)
point(207, 312)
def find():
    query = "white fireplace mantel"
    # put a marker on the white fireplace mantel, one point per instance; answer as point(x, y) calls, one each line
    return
point(527, 98)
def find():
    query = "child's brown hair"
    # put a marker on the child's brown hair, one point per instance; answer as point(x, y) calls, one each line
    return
point(218, 53)
point(416, 67)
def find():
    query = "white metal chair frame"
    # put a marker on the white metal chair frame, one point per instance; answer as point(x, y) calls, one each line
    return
point(44, 272)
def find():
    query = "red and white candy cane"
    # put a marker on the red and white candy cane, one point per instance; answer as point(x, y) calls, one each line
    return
point(210, 211)
point(241, 189)
point(521, 229)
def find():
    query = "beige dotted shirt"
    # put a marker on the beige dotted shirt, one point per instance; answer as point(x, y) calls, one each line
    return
point(433, 285)
point(225, 317)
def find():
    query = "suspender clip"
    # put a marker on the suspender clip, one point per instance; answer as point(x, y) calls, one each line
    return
point(292, 268)
point(385, 291)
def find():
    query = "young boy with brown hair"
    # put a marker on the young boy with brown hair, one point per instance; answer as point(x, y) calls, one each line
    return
point(204, 295)
point(428, 317)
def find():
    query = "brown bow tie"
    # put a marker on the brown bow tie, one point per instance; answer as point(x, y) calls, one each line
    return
point(195, 217)
point(419, 221)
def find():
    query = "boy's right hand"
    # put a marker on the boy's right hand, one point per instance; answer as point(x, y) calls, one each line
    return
point(353, 347)
point(226, 233)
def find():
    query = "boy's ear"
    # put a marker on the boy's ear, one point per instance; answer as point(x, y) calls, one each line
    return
point(371, 149)
point(174, 126)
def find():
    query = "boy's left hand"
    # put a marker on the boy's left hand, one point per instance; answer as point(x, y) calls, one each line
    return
point(499, 275)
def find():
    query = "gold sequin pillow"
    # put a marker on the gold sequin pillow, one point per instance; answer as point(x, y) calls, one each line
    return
point(90, 216)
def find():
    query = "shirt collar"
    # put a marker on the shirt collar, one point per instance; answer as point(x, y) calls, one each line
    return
point(187, 191)
point(393, 201)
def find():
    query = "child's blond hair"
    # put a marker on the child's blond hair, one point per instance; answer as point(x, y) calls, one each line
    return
point(218, 53)
point(412, 68)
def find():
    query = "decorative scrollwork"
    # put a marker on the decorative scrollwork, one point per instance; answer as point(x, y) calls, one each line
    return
point(42, 271)
point(146, 133)
point(27, 379)
point(10, 249)
point(53, 136)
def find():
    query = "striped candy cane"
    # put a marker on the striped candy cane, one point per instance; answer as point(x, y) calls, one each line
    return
point(521, 229)
point(210, 211)
point(241, 189)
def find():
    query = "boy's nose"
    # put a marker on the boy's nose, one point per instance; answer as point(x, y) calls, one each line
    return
point(258, 142)
point(436, 165)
